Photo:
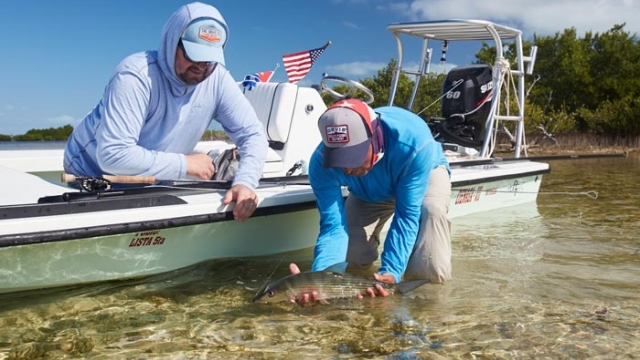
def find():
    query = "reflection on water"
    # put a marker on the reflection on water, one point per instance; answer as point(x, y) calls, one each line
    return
point(556, 279)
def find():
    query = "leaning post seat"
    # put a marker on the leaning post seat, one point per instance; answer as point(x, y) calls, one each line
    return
point(289, 115)
point(274, 104)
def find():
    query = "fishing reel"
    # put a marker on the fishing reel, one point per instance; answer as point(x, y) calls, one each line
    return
point(89, 184)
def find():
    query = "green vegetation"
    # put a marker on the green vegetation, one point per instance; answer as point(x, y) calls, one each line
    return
point(586, 86)
point(50, 134)
point(63, 133)
point(215, 135)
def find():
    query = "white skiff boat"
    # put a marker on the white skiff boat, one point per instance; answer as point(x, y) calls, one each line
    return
point(52, 235)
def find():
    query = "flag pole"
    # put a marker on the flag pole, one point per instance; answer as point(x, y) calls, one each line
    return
point(274, 71)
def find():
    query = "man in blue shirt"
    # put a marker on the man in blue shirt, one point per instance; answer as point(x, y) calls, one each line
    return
point(393, 168)
point(158, 104)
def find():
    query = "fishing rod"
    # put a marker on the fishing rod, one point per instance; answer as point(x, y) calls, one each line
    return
point(94, 184)
point(593, 194)
point(574, 156)
point(484, 161)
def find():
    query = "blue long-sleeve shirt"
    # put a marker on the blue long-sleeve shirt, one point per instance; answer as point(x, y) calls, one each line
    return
point(410, 153)
point(148, 119)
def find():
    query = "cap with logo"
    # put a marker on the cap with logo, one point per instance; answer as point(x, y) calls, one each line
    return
point(346, 129)
point(204, 40)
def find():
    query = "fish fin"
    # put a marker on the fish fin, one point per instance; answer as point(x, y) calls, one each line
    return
point(340, 268)
point(323, 302)
point(405, 287)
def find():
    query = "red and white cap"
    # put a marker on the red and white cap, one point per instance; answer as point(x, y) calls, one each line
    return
point(346, 133)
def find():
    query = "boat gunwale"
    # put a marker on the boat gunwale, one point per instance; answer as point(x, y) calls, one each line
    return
point(481, 180)
point(139, 226)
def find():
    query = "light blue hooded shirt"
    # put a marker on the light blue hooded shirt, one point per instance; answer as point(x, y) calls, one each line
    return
point(410, 153)
point(148, 119)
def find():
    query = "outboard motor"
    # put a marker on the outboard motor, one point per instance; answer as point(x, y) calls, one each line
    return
point(466, 104)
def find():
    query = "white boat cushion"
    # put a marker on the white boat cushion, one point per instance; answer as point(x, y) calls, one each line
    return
point(274, 104)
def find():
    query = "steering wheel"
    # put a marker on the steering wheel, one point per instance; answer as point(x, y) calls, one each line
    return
point(352, 84)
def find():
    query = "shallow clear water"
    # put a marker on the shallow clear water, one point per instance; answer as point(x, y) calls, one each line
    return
point(31, 145)
point(556, 279)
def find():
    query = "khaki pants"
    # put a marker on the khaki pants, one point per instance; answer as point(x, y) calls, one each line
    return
point(431, 257)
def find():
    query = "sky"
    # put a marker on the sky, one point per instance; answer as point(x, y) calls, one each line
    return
point(57, 55)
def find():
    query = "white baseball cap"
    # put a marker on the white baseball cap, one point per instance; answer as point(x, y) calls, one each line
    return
point(204, 40)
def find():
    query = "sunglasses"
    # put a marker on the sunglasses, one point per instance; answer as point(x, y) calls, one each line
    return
point(184, 53)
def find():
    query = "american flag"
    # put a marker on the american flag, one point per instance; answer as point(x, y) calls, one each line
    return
point(297, 65)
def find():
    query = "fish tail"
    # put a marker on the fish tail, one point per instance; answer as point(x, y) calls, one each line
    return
point(405, 287)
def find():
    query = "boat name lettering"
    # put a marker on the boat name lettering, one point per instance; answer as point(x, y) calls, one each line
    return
point(148, 233)
point(491, 191)
point(147, 241)
point(469, 195)
point(478, 192)
point(515, 187)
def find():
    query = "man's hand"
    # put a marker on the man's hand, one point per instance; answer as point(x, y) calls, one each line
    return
point(304, 298)
point(246, 201)
point(379, 290)
point(200, 166)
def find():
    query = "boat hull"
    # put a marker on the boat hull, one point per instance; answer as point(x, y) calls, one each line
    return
point(138, 254)
point(494, 185)
point(99, 238)
point(487, 196)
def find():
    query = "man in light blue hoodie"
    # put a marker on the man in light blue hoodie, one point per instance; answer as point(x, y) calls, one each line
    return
point(158, 104)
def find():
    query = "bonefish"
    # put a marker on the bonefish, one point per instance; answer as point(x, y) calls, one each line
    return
point(332, 283)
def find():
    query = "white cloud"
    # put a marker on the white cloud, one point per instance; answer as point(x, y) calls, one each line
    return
point(543, 17)
point(61, 120)
point(435, 67)
point(441, 68)
point(356, 2)
point(7, 109)
point(355, 69)
point(351, 25)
